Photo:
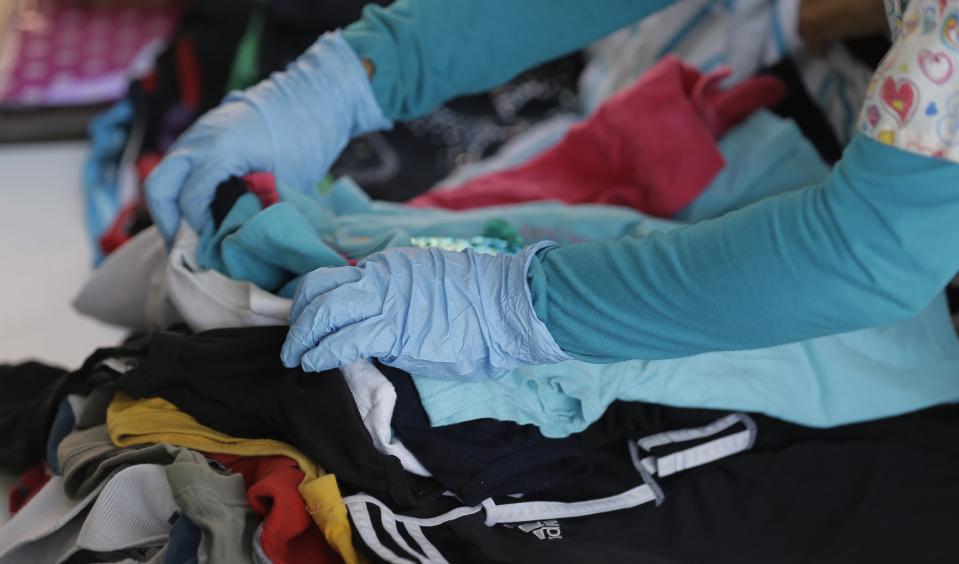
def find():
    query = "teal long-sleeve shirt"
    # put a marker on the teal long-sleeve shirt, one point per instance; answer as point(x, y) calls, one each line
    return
point(872, 245)
point(428, 51)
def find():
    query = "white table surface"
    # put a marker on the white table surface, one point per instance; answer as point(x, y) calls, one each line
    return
point(45, 255)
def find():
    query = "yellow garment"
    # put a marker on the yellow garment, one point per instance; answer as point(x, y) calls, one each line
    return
point(325, 505)
point(133, 422)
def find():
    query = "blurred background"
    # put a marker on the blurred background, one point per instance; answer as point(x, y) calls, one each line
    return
point(61, 64)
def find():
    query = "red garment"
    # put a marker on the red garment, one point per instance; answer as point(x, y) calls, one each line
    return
point(188, 73)
point(27, 486)
point(289, 534)
point(146, 163)
point(651, 147)
point(118, 233)
point(263, 185)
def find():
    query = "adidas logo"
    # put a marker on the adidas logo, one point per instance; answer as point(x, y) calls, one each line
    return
point(543, 530)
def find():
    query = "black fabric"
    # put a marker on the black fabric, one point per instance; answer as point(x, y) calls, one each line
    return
point(869, 50)
point(209, 32)
point(31, 395)
point(406, 161)
point(225, 197)
point(232, 380)
point(27, 407)
point(799, 106)
point(878, 492)
point(952, 295)
point(482, 458)
point(291, 26)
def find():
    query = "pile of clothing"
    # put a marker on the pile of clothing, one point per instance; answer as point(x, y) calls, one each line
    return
point(191, 442)
point(202, 447)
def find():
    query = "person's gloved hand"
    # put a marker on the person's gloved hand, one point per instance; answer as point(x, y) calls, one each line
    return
point(293, 124)
point(426, 311)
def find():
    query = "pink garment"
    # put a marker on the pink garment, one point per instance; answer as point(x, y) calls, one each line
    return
point(263, 185)
point(65, 52)
point(651, 147)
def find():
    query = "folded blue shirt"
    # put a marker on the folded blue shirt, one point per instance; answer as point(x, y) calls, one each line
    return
point(858, 376)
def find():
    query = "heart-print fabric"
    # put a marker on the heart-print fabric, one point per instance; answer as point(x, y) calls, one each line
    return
point(936, 66)
point(913, 99)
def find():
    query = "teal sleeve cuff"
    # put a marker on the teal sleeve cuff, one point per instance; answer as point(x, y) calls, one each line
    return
point(539, 292)
point(537, 288)
point(371, 43)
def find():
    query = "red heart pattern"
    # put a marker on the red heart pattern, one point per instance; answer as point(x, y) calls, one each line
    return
point(900, 97)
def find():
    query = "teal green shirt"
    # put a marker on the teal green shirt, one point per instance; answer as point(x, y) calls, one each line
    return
point(870, 246)
point(428, 51)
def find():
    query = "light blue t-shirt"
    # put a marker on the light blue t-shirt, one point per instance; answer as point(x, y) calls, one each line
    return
point(829, 381)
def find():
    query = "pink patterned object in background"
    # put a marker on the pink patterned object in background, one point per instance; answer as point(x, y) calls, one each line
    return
point(76, 52)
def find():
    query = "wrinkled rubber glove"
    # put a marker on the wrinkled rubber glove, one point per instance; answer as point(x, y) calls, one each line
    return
point(429, 312)
point(293, 124)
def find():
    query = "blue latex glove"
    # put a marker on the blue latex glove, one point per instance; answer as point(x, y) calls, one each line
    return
point(427, 311)
point(293, 124)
